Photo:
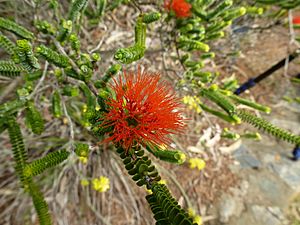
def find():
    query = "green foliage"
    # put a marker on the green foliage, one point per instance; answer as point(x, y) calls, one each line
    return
point(25, 56)
point(64, 30)
point(33, 75)
point(219, 99)
point(234, 13)
point(129, 55)
point(11, 107)
point(140, 32)
point(40, 165)
point(11, 26)
point(56, 105)
point(191, 35)
point(165, 208)
point(76, 8)
point(10, 69)
point(209, 20)
point(75, 43)
point(45, 27)
point(226, 133)
point(82, 149)
point(137, 51)
point(39, 204)
point(225, 117)
point(52, 56)
point(20, 157)
point(70, 90)
point(189, 45)
point(7, 44)
point(286, 4)
point(34, 119)
point(101, 6)
point(112, 71)
point(295, 80)
point(90, 98)
point(139, 166)
point(268, 127)
point(151, 17)
point(249, 103)
point(220, 8)
point(177, 157)
point(18, 147)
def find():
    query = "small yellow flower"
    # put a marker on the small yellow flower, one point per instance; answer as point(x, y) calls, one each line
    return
point(162, 181)
point(192, 102)
point(258, 137)
point(149, 191)
point(101, 184)
point(198, 220)
point(181, 157)
point(84, 108)
point(83, 159)
point(84, 182)
point(191, 212)
point(197, 163)
point(97, 107)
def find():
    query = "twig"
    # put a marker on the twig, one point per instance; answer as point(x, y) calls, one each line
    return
point(62, 51)
point(40, 81)
point(70, 123)
point(136, 6)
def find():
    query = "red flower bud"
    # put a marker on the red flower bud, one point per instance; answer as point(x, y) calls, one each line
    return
point(181, 8)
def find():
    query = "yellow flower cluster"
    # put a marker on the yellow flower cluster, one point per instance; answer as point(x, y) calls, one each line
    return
point(182, 157)
point(84, 182)
point(192, 102)
point(197, 163)
point(100, 184)
point(83, 159)
point(196, 218)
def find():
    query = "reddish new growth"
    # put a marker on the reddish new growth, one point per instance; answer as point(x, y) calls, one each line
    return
point(181, 8)
point(143, 110)
point(296, 20)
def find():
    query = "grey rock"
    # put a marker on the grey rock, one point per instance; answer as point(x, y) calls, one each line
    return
point(263, 215)
point(245, 158)
point(289, 172)
point(229, 206)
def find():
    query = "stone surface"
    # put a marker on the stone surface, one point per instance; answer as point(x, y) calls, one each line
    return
point(229, 206)
point(245, 158)
point(289, 171)
point(266, 216)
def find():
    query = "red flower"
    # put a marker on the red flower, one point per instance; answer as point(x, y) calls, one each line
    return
point(143, 110)
point(296, 20)
point(181, 8)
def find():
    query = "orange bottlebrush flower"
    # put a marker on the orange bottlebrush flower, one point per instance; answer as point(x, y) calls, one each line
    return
point(296, 20)
point(143, 110)
point(181, 8)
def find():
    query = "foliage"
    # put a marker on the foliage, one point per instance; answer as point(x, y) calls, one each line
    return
point(136, 111)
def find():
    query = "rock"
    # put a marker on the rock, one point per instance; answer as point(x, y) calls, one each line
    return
point(289, 172)
point(245, 158)
point(229, 206)
point(267, 216)
point(266, 188)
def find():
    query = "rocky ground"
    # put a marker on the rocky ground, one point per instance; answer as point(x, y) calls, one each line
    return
point(269, 188)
